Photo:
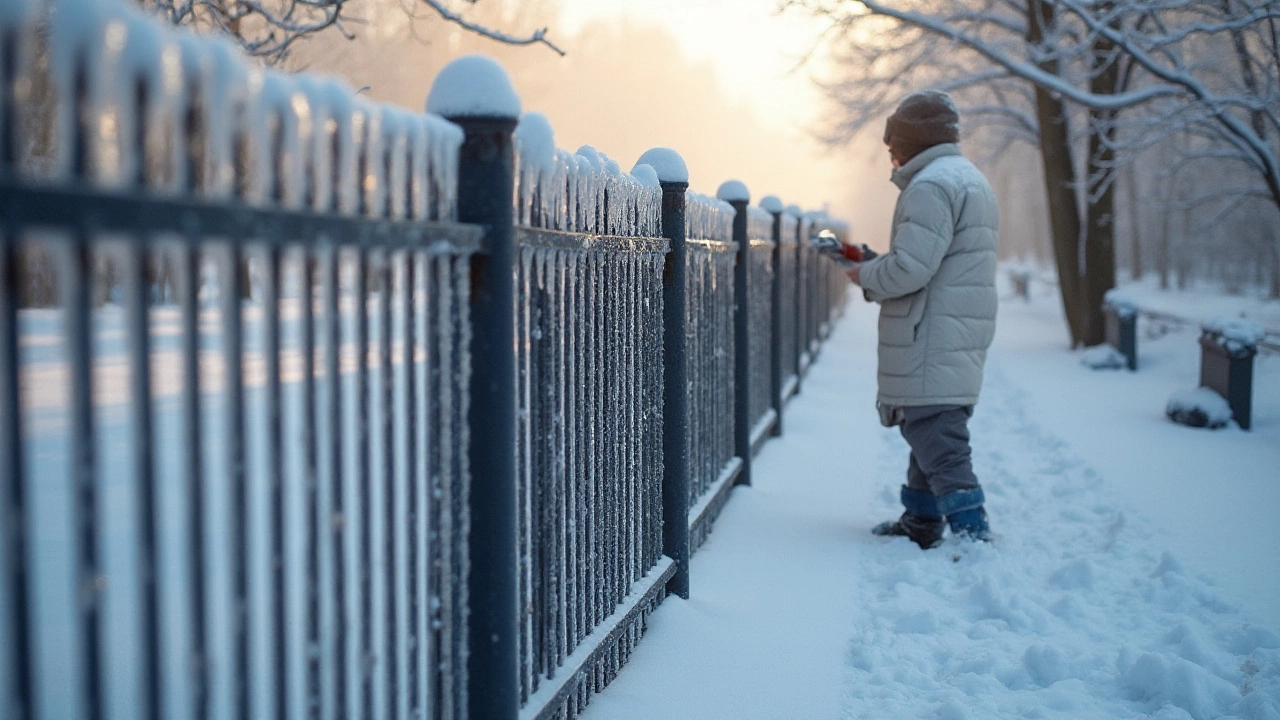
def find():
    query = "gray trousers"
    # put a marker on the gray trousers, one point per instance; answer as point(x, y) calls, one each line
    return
point(940, 455)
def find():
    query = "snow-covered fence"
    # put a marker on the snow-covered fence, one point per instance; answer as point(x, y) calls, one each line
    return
point(320, 408)
point(588, 323)
point(710, 355)
point(209, 507)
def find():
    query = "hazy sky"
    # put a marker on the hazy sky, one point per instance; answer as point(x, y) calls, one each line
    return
point(752, 47)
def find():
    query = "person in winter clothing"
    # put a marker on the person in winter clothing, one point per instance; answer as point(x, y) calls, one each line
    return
point(937, 295)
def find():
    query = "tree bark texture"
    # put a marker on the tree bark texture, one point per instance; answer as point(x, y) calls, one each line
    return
point(1135, 225)
point(1100, 235)
point(1059, 178)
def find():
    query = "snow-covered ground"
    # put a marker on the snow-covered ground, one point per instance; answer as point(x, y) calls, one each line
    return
point(1135, 573)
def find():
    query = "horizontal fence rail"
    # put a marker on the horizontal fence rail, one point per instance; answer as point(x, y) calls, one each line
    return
point(281, 436)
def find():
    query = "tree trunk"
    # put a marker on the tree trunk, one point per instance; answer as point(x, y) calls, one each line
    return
point(1059, 179)
point(1099, 245)
point(1099, 242)
point(1273, 292)
point(1162, 245)
point(1135, 226)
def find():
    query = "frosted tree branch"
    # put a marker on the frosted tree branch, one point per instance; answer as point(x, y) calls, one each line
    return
point(1023, 69)
point(536, 37)
point(267, 29)
point(1177, 77)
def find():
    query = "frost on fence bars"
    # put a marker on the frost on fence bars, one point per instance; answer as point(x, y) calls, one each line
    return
point(175, 112)
point(759, 224)
point(583, 192)
point(807, 228)
point(707, 218)
point(819, 220)
point(790, 222)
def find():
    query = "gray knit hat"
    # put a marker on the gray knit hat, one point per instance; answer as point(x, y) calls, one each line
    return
point(923, 119)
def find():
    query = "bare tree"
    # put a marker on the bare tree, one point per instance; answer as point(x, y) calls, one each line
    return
point(268, 29)
point(1203, 67)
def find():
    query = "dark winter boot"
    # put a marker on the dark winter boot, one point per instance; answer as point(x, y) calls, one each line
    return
point(965, 514)
point(921, 523)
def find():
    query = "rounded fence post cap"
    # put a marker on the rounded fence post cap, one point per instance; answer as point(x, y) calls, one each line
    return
point(771, 204)
point(473, 86)
point(667, 163)
point(732, 191)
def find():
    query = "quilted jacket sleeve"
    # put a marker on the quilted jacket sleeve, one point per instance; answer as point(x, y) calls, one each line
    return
point(921, 237)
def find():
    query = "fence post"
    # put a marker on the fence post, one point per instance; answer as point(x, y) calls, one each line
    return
point(773, 206)
point(1227, 349)
point(737, 195)
point(485, 188)
point(1121, 315)
point(674, 178)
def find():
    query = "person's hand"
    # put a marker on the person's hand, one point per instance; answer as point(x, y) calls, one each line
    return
point(855, 274)
point(857, 253)
point(852, 252)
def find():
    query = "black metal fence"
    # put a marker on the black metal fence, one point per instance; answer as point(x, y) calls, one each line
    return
point(281, 437)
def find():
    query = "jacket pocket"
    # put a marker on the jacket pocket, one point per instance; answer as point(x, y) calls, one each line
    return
point(900, 319)
point(900, 307)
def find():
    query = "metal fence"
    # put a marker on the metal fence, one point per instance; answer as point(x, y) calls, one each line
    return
point(233, 435)
point(589, 425)
point(281, 437)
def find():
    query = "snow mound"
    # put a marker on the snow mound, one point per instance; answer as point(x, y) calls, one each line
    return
point(1103, 357)
point(1045, 664)
point(1201, 407)
point(1237, 334)
point(733, 191)
point(667, 163)
point(473, 86)
point(772, 204)
point(1171, 680)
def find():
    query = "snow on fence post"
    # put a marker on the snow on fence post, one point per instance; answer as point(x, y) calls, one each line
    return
point(674, 178)
point(736, 194)
point(1227, 348)
point(475, 93)
point(773, 206)
point(1121, 326)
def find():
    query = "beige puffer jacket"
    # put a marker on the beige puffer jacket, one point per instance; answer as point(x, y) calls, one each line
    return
point(936, 285)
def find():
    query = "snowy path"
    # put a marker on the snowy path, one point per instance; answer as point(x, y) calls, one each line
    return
point(1079, 611)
